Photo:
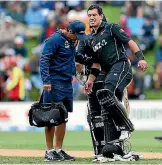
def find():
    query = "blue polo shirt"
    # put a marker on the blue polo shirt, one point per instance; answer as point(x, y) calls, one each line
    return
point(57, 62)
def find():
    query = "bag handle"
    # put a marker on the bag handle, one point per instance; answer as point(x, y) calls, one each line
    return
point(41, 98)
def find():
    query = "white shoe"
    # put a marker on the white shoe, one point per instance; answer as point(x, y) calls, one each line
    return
point(104, 159)
point(121, 159)
point(124, 135)
point(137, 156)
point(131, 156)
point(96, 158)
point(128, 155)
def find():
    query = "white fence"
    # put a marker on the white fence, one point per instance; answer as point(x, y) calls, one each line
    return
point(145, 115)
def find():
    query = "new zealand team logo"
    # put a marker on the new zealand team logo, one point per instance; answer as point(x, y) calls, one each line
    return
point(67, 45)
point(99, 45)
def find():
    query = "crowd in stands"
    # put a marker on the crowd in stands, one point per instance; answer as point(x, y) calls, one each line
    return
point(143, 21)
point(21, 21)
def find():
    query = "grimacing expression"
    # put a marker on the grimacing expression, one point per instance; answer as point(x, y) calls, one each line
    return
point(72, 36)
point(94, 18)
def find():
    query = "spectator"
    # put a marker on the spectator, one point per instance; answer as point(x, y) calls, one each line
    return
point(147, 39)
point(9, 56)
point(71, 4)
point(136, 87)
point(123, 25)
point(2, 77)
point(33, 68)
point(8, 34)
point(2, 85)
point(20, 52)
point(2, 62)
point(152, 10)
point(133, 8)
point(55, 19)
point(49, 30)
point(158, 66)
point(158, 11)
point(61, 15)
point(20, 48)
point(50, 5)
point(15, 12)
point(15, 82)
point(34, 14)
point(79, 13)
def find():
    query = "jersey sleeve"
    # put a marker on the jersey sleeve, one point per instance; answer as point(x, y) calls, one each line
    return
point(80, 52)
point(119, 33)
point(95, 58)
point(49, 50)
point(81, 55)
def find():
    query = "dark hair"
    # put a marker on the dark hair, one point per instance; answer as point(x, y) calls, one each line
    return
point(68, 29)
point(104, 18)
point(99, 9)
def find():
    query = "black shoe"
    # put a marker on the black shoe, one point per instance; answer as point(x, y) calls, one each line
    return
point(66, 156)
point(53, 156)
point(158, 138)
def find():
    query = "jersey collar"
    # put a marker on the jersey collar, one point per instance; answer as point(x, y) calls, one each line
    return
point(62, 34)
point(102, 25)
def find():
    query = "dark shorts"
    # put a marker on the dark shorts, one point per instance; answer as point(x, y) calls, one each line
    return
point(60, 93)
point(119, 77)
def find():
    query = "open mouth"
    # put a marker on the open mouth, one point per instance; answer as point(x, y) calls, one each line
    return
point(92, 21)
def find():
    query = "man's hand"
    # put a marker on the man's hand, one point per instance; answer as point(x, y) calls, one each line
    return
point(143, 65)
point(47, 87)
point(88, 86)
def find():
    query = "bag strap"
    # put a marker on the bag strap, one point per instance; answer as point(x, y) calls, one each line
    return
point(41, 98)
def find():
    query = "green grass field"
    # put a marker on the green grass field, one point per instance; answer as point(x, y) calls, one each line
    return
point(142, 141)
point(39, 160)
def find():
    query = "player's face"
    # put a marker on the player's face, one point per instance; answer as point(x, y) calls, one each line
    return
point(94, 18)
point(72, 36)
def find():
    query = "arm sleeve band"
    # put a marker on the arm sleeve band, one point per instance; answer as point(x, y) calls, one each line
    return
point(95, 72)
point(140, 55)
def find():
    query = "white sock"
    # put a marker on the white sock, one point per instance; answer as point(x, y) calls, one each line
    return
point(58, 150)
point(51, 150)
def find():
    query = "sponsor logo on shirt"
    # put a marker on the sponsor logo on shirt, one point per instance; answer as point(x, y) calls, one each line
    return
point(67, 45)
point(99, 45)
point(121, 31)
point(81, 32)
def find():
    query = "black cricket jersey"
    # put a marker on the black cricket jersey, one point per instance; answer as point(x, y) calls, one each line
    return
point(108, 44)
point(84, 54)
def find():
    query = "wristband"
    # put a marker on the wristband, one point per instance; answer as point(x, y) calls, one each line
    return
point(95, 72)
point(140, 55)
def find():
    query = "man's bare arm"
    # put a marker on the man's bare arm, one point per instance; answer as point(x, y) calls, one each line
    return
point(138, 53)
